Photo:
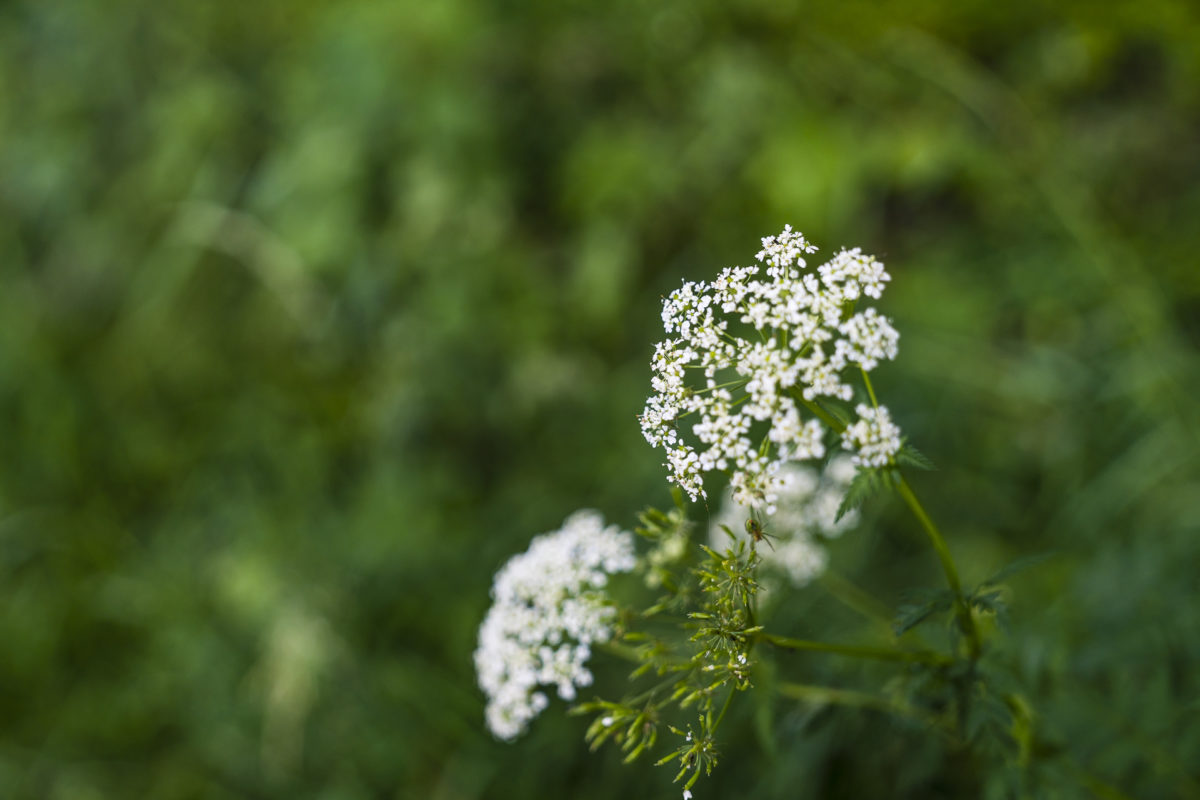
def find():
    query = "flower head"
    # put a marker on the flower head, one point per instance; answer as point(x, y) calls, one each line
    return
point(874, 438)
point(745, 353)
point(548, 609)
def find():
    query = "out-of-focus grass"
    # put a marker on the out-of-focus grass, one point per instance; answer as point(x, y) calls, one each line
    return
point(311, 315)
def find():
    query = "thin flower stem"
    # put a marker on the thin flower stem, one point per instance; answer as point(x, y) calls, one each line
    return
point(857, 651)
point(738, 382)
point(870, 388)
point(724, 708)
point(826, 694)
point(653, 690)
point(965, 619)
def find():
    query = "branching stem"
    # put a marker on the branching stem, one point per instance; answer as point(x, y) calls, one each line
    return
point(857, 651)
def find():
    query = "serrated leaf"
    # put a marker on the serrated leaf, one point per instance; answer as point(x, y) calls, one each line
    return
point(912, 614)
point(912, 457)
point(866, 484)
point(1014, 567)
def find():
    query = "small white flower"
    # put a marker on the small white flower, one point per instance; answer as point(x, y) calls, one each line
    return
point(687, 794)
point(548, 608)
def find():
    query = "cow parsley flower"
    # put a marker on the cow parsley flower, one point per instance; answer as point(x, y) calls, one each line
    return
point(548, 608)
point(874, 438)
point(747, 350)
point(807, 504)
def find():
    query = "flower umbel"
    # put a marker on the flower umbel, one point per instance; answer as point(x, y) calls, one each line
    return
point(747, 351)
point(875, 439)
point(549, 608)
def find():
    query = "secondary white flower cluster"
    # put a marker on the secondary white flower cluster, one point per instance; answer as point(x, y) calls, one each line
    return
point(874, 438)
point(548, 608)
point(808, 503)
point(745, 349)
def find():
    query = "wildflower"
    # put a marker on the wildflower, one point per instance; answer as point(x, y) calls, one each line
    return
point(745, 353)
point(874, 438)
point(548, 608)
point(807, 505)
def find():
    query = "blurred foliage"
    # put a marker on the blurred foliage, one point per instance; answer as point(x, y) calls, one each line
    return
point(311, 314)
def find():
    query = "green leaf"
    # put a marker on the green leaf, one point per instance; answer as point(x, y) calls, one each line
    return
point(912, 457)
point(866, 484)
point(913, 613)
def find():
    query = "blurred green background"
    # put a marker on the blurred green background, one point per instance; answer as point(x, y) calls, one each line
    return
point(313, 314)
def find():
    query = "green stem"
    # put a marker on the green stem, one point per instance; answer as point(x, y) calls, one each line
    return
point(738, 382)
point(870, 388)
point(857, 651)
point(653, 690)
point(825, 694)
point(724, 708)
point(965, 620)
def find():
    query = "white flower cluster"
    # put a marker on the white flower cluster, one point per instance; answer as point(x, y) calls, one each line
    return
point(548, 608)
point(808, 503)
point(874, 438)
point(744, 393)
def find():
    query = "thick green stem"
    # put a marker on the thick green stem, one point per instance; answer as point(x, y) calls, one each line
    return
point(856, 651)
point(965, 619)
